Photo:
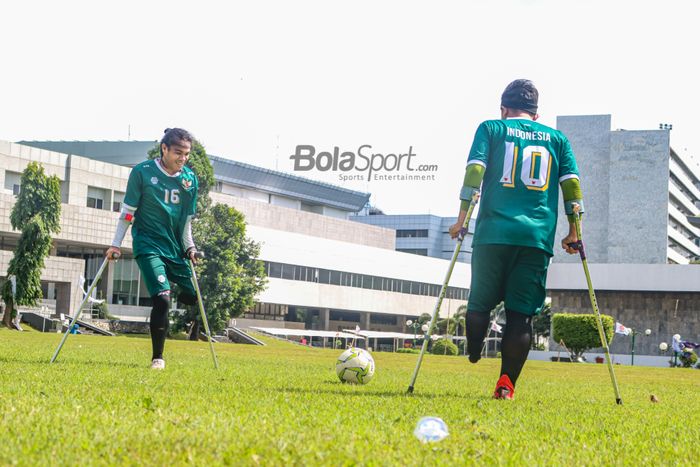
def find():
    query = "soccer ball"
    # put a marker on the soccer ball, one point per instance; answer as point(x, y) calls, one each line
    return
point(355, 366)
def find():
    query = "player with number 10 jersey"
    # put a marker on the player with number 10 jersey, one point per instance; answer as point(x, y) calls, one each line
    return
point(525, 161)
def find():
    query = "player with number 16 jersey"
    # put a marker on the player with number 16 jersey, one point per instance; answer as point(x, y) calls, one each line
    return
point(160, 201)
point(162, 204)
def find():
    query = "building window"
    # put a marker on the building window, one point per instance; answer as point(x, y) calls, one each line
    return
point(414, 251)
point(338, 315)
point(96, 197)
point(376, 318)
point(349, 279)
point(12, 182)
point(412, 233)
point(125, 283)
point(64, 191)
point(118, 201)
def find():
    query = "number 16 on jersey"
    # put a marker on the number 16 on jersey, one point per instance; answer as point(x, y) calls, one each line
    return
point(172, 196)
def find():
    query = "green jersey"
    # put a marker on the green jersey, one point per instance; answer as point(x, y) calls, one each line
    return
point(162, 204)
point(525, 161)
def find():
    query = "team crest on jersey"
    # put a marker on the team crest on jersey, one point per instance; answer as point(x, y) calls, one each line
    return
point(187, 183)
point(154, 180)
point(161, 278)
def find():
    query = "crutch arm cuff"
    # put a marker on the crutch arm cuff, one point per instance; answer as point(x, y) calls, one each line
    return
point(569, 206)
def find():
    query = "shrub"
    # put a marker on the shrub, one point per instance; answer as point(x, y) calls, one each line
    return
point(580, 332)
point(688, 359)
point(407, 351)
point(444, 347)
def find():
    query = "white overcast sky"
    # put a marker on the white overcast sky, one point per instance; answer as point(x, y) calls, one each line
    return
point(252, 80)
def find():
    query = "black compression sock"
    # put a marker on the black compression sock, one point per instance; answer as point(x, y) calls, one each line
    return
point(515, 344)
point(159, 324)
point(477, 327)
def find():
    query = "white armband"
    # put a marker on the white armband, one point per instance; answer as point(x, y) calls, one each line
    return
point(126, 217)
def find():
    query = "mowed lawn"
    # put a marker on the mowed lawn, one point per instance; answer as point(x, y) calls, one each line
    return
point(282, 404)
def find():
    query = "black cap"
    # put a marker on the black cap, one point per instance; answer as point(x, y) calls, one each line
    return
point(521, 94)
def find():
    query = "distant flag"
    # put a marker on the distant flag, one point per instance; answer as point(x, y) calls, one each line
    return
point(81, 283)
point(357, 328)
point(620, 329)
point(496, 327)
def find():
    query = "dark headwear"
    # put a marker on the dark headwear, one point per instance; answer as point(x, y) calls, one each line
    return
point(521, 94)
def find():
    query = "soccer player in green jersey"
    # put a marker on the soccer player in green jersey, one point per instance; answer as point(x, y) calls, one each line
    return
point(517, 164)
point(160, 200)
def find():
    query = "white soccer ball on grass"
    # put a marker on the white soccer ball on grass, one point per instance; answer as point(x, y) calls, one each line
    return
point(355, 366)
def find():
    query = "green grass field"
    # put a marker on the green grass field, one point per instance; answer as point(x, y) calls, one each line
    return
point(282, 405)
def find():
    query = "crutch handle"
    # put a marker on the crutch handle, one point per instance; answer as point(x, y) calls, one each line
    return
point(578, 246)
point(462, 234)
point(199, 254)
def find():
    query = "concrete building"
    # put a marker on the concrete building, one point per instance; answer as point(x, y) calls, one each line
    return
point(422, 234)
point(662, 297)
point(637, 191)
point(325, 272)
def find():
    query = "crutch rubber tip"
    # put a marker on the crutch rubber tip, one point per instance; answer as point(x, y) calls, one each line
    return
point(619, 401)
point(410, 390)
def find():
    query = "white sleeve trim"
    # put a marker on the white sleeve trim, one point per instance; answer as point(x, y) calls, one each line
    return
point(130, 208)
point(568, 177)
point(477, 162)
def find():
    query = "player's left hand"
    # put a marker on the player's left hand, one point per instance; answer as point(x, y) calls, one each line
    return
point(454, 230)
point(571, 238)
point(191, 255)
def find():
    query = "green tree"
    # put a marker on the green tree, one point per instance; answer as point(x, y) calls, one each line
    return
point(231, 275)
point(461, 320)
point(201, 165)
point(37, 213)
point(424, 318)
point(580, 331)
point(446, 326)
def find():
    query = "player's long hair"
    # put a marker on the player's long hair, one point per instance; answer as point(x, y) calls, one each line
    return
point(173, 136)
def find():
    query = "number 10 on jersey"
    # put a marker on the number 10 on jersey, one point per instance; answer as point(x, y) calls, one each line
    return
point(535, 168)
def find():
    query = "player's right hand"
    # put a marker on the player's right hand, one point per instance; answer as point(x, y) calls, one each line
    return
point(454, 230)
point(113, 253)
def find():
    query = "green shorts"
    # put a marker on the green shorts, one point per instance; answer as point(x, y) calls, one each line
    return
point(158, 272)
point(516, 275)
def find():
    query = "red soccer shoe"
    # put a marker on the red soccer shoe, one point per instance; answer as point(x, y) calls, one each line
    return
point(504, 389)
